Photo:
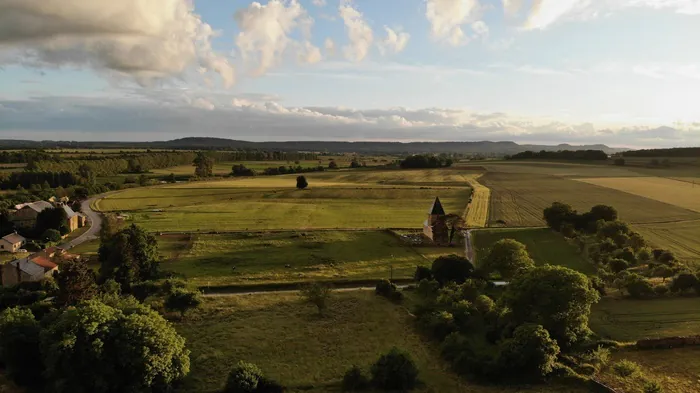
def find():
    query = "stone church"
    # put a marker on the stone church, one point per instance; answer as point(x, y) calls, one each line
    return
point(435, 227)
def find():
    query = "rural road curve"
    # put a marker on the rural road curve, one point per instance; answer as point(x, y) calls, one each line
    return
point(95, 224)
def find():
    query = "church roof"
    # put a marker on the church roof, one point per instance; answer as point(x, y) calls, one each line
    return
point(437, 207)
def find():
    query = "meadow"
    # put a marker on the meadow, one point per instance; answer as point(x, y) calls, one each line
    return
point(279, 257)
point(357, 328)
point(544, 246)
point(632, 320)
point(343, 199)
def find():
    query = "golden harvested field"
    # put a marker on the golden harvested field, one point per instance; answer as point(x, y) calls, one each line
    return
point(478, 210)
point(674, 192)
point(518, 199)
point(682, 238)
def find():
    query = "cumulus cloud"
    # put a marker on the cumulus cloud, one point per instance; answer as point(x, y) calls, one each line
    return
point(480, 28)
point(254, 118)
point(511, 7)
point(146, 40)
point(329, 46)
point(446, 18)
point(359, 32)
point(394, 42)
point(265, 34)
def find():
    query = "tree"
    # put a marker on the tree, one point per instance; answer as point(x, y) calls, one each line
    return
point(454, 223)
point(204, 165)
point(171, 178)
point(332, 165)
point(76, 283)
point(123, 346)
point(243, 378)
point(301, 182)
point(20, 349)
point(85, 171)
point(638, 287)
point(559, 214)
point(241, 170)
point(663, 271)
point(355, 164)
point(422, 273)
point(129, 256)
point(530, 354)
point(51, 235)
point(613, 229)
point(508, 257)
point(555, 297)
point(684, 282)
point(395, 371)
point(617, 265)
point(143, 180)
point(451, 268)
point(317, 294)
point(52, 218)
point(182, 300)
point(603, 212)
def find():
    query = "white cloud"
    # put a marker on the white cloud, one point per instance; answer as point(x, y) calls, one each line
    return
point(546, 12)
point(265, 33)
point(446, 18)
point(203, 103)
point(480, 28)
point(359, 32)
point(394, 42)
point(329, 46)
point(319, 3)
point(144, 39)
point(511, 7)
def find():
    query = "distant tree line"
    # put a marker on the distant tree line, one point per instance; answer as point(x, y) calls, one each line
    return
point(589, 155)
point(112, 166)
point(675, 152)
point(18, 157)
point(28, 179)
point(426, 161)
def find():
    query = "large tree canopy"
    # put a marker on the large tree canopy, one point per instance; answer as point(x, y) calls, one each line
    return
point(555, 297)
point(507, 257)
point(129, 256)
point(112, 348)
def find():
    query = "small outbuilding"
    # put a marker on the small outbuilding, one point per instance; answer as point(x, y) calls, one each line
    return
point(12, 242)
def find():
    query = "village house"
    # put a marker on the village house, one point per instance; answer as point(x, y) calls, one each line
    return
point(12, 242)
point(435, 227)
point(30, 269)
point(26, 214)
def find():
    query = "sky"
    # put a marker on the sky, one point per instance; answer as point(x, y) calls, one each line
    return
point(618, 72)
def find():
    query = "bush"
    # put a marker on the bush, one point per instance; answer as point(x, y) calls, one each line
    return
point(385, 288)
point(639, 287)
point(452, 268)
point(318, 295)
point(266, 385)
point(530, 354)
point(652, 387)
point(625, 368)
point(684, 282)
point(599, 356)
point(182, 300)
point(244, 378)
point(395, 371)
point(355, 380)
point(51, 235)
point(422, 273)
point(660, 290)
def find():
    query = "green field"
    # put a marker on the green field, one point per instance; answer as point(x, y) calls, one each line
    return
point(293, 345)
point(320, 255)
point(343, 199)
point(632, 320)
point(544, 246)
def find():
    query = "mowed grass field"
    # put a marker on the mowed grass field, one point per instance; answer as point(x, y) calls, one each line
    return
point(297, 257)
point(343, 199)
point(632, 320)
point(292, 344)
point(544, 246)
point(676, 370)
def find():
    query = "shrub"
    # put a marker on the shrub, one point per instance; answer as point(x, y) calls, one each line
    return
point(660, 290)
point(652, 387)
point(427, 288)
point(625, 368)
point(599, 356)
point(355, 380)
point(395, 371)
point(182, 300)
point(266, 385)
point(639, 287)
point(587, 369)
point(422, 273)
point(317, 294)
point(385, 288)
point(244, 378)
point(617, 265)
point(530, 354)
point(684, 282)
point(484, 304)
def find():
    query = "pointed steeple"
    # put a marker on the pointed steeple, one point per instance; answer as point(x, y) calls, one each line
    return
point(437, 209)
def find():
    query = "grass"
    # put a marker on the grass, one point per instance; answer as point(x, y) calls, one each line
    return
point(544, 245)
point(343, 199)
point(322, 255)
point(632, 320)
point(676, 370)
point(673, 192)
point(290, 343)
point(478, 210)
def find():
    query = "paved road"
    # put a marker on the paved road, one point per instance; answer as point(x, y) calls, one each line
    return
point(95, 221)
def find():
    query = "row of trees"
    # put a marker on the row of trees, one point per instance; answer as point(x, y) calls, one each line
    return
point(674, 152)
point(426, 161)
point(26, 156)
point(13, 180)
point(589, 155)
point(103, 165)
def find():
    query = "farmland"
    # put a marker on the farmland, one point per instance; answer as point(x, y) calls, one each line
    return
point(632, 320)
point(358, 327)
point(362, 199)
point(544, 246)
point(296, 256)
point(478, 212)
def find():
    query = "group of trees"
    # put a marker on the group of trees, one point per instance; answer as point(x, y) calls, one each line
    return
point(588, 155)
point(13, 180)
point(513, 335)
point(25, 156)
point(282, 170)
point(563, 218)
point(674, 152)
point(106, 165)
point(425, 161)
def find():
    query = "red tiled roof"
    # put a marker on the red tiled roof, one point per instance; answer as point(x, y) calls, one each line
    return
point(44, 262)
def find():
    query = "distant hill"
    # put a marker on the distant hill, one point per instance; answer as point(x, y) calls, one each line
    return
point(483, 147)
